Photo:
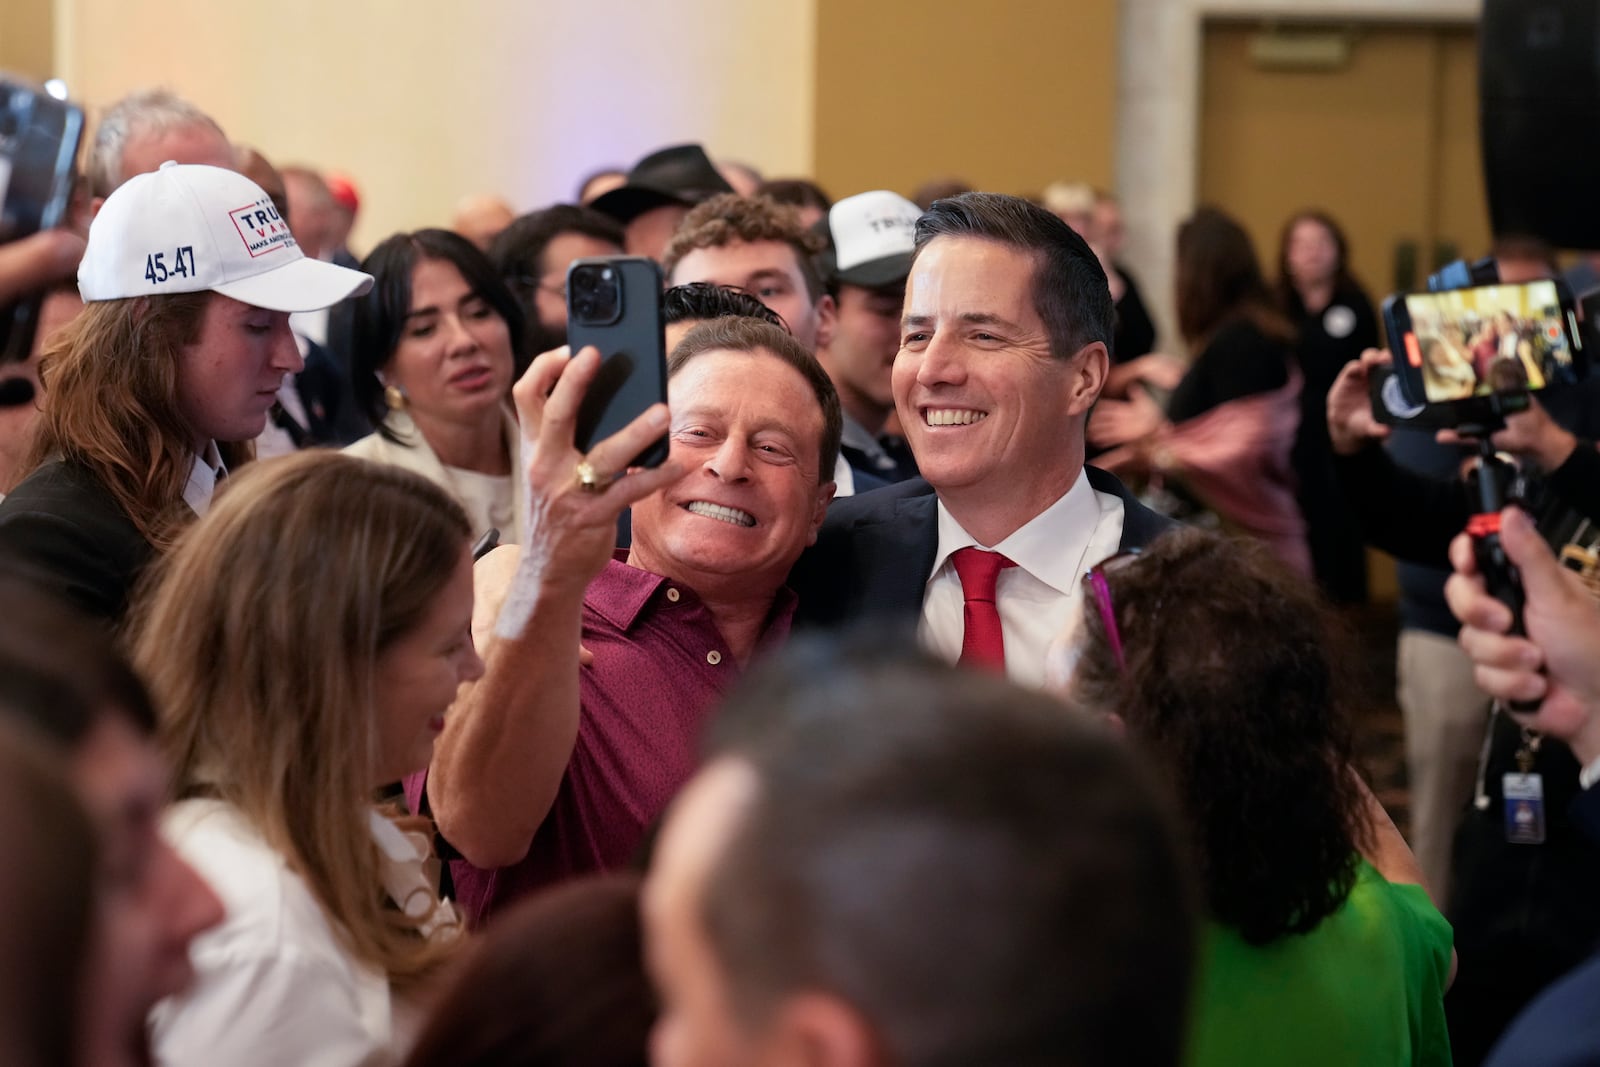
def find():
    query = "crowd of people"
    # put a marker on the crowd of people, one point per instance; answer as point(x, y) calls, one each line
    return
point(964, 687)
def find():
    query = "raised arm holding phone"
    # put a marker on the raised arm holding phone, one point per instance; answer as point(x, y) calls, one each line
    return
point(549, 768)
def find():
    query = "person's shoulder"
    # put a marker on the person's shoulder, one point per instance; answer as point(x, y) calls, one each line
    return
point(51, 483)
point(1140, 524)
point(874, 505)
point(1242, 338)
point(61, 494)
point(65, 528)
point(1559, 1029)
point(1350, 293)
point(269, 907)
point(373, 446)
point(1407, 900)
point(866, 481)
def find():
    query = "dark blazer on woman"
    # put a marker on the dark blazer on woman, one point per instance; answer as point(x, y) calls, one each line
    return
point(63, 528)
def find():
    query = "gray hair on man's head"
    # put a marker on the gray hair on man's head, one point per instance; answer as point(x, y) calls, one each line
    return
point(143, 111)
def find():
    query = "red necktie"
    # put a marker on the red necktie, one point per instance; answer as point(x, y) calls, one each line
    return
point(982, 643)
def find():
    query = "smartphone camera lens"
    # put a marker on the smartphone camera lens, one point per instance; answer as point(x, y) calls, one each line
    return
point(596, 297)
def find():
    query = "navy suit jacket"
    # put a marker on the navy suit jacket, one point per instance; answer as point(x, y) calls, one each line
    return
point(1561, 1028)
point(875, 552)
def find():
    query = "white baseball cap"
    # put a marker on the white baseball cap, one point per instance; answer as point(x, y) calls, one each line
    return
point(189, 227)
point(873, 236)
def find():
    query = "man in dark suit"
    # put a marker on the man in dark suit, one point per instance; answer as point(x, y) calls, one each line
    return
point(1004, 349)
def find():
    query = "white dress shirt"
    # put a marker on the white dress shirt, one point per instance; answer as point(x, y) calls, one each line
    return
point(274, 984)
point(844, 479)
point(1039, 597)
point(204, 475)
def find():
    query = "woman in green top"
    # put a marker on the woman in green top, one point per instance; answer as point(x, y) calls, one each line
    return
point(1322, 948)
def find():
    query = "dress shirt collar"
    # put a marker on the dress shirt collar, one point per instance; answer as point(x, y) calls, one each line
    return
point(621, 593)
point(1042, 545)
point(204, 475)
point(854, 435)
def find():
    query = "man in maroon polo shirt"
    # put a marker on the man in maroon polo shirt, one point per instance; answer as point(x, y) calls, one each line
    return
point(547, 769)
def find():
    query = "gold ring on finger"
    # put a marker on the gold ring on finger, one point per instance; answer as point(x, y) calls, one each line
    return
point(589, 479)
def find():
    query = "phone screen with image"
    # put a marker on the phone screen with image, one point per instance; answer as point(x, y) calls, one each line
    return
point(1491, 339)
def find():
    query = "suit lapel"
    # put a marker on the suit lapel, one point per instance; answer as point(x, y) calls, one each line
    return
point(1140, 525)
point(900, 559)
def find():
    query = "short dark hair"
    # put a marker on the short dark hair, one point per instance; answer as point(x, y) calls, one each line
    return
point(61, 672)
point(704, 301)
point(1231, 687)
point(1525, 246)
point(380, 315)
point(736, 333)
point(796, 192)
point(559, 981)
point(728, 218)
point(517, 251)
point(1070, 291)
point(982, 877)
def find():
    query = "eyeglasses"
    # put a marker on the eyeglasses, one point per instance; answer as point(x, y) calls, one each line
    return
point(1100, 590)
point(528, 283)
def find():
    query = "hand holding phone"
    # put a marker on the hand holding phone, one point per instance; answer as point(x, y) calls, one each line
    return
point(575, 495)
point(39, 138)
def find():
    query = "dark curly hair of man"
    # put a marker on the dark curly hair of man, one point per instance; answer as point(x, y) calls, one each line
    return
point(1232, 689)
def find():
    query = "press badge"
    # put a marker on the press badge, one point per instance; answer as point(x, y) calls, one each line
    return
point(1524, 799)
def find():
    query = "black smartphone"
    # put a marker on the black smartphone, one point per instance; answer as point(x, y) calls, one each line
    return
point(485, 544)
point(1464, 353)
point(614, 304)
point(39, 138)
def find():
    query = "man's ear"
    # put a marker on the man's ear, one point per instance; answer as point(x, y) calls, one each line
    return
point(1090, 366)
point(821, 1030)
point(827, 320)
point(825, 493)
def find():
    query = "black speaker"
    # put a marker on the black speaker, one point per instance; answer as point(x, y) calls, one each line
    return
point(1539, 90)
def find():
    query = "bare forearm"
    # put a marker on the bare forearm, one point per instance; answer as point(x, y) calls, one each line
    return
point(499, 763)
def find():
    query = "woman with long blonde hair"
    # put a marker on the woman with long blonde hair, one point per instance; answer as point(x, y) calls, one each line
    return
point(303, 641)
point(155, 391)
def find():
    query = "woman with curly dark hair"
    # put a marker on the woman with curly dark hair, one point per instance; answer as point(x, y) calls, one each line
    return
point(1323, 947)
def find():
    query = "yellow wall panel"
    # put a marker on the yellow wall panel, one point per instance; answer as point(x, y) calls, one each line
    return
point(26, 38)
point(1009, 95)
point(424, 102)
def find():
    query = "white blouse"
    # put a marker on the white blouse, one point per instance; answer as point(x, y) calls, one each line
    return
point(274, 984)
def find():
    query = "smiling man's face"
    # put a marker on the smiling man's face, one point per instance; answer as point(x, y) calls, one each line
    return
point(991, 414)
point(750, 429)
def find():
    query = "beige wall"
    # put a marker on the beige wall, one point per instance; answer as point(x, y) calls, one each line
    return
point(1008, 96)
point(1387, 144)
point(26, 28)
point(1158, 107)
point(424, 101)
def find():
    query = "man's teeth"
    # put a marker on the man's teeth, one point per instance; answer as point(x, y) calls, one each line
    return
point(717, 511)
point(954, 416)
